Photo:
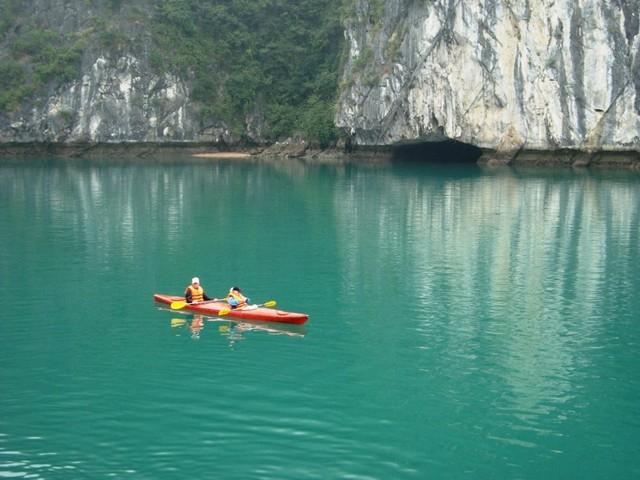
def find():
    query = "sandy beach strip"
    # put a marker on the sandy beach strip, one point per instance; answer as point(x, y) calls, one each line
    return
point(225, 155)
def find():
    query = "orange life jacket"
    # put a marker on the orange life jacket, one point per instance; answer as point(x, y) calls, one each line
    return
point(197, 294)
point(238, 297)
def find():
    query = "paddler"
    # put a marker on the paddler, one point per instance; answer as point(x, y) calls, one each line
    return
point(236, 299)
point(194, 293)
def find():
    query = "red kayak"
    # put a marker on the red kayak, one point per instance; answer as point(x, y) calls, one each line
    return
point(250, 312)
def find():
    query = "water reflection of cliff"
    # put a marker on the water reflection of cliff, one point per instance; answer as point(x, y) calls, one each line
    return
point(516, 269)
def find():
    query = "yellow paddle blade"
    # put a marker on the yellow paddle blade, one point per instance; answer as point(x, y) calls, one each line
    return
point(177, 322)
point(178, 304)
point(225, 311)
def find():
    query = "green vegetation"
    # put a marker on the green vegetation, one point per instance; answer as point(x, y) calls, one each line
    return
point(393, 47)
point(34, 58)
point(275, 59)
point(282, 54)
point(8, 10)
point(12, 84)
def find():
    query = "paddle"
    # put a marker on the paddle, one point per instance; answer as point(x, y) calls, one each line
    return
point(178, 304)
point(177, 322)
point(226, 311)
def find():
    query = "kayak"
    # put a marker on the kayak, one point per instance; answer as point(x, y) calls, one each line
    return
point(250, 312)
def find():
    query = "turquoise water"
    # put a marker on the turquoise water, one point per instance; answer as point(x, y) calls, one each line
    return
point(464, 323)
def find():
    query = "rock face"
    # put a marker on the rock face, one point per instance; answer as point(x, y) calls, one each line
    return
point(114, 101)
point(509, 76)
point(115, 96)
point(506, 75)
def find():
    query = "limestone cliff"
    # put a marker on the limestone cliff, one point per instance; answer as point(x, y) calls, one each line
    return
point(115, 100)
point(505, 75)
point(168, 71)
point(109, 93)
point(500, 74)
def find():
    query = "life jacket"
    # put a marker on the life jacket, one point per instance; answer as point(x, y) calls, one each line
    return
point(197, 294)
point(236, 299)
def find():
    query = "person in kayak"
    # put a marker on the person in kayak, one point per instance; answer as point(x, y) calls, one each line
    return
point(194, 293)
point(236, 299)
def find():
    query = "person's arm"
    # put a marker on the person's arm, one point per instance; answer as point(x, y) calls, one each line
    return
point(187, 295)
point(205, 297)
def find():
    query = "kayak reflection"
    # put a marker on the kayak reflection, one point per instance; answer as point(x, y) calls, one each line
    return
point(234, 329)
point(196, 323)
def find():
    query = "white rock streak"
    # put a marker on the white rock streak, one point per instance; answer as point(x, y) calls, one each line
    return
point(116, 101)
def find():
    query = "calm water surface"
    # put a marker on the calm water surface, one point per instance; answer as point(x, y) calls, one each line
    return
point(463, 323)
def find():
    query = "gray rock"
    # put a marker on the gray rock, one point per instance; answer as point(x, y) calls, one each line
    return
point(507, 75)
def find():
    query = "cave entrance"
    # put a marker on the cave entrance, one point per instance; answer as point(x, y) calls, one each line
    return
point(447, 151)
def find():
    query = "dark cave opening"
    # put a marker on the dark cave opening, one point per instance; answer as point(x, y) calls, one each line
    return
point(448, 151)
